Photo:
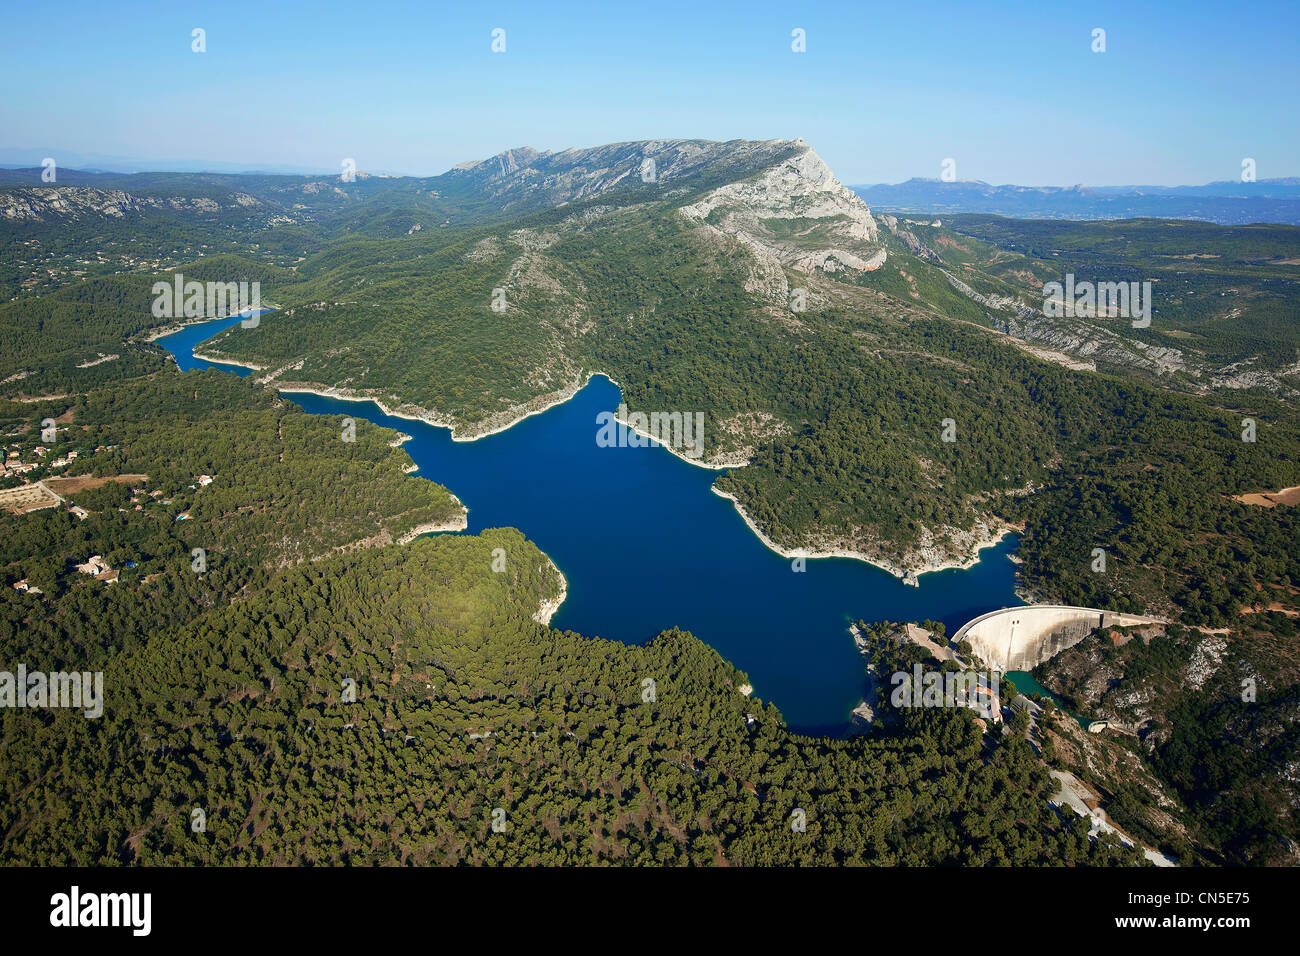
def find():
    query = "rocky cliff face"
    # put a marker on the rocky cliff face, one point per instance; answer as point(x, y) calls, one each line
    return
point(526, 178)
point(45, 203)
point(1091, 341)
point(794, 213)
point(777, 199)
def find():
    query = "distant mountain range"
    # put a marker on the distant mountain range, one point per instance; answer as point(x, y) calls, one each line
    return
point(22, 158)
point(1226, 203)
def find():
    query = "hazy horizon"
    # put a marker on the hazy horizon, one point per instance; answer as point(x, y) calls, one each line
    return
point(126, 166)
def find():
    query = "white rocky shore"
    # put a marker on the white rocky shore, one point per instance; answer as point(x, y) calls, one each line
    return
point(499, 422)
point(458, 523)
point(717, 462)
point(546, 610)
point(927, 558)
point(223, 360)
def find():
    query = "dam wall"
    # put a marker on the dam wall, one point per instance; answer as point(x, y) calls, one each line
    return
point(1021, 638)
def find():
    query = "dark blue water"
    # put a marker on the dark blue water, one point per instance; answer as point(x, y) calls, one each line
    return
point(645, 545)
point(182, 344)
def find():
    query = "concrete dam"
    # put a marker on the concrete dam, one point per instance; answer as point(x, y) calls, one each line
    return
point(1021, 638)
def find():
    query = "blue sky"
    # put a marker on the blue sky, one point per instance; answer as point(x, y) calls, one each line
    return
point(886, 91)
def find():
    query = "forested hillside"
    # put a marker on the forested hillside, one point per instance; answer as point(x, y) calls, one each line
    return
point(869, 384)
point(1205, 726)
point(379, 706)
point(283, 487)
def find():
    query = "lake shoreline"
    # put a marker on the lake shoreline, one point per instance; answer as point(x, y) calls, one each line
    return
point(706, 464)
point(162, 331)
point(898, 571)
point(910, 575)
point(536, 406)
point(427, 417)
point(547, 609)
point(588, 589)
point(457, 523)
point(206, 357)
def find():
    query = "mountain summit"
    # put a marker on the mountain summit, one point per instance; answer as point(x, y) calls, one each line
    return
point(776, 197)
point(546, 178)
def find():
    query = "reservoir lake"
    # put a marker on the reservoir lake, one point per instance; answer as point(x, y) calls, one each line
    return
point(646, 546)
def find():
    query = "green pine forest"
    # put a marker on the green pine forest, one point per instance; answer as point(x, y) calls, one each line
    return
point(227, 691)
point(225, 688)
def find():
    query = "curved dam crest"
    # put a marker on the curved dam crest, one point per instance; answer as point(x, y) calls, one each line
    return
point(1021, 638)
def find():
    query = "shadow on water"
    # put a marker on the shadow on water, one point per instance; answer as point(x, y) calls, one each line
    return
point(645, 546)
